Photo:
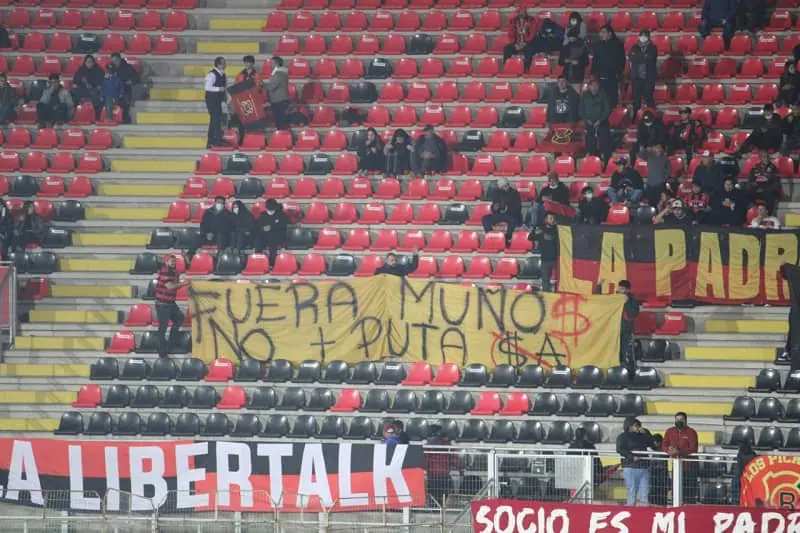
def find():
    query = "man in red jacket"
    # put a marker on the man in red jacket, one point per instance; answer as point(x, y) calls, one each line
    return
point(521, 31)
point(680, 442)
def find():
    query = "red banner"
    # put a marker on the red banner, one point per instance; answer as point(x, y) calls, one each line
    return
point(771, 481)
point(516, 516)
point(248, 103)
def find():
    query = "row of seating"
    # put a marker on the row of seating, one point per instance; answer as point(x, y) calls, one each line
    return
point(107, 4)
point(769, 409)
point(769, 438)
point(51, 64)
point(60, 162)
point(96, 19)
point(138, 44)
point(20, 138)
point(84, 115)
point(47, 187)
point(768, 380)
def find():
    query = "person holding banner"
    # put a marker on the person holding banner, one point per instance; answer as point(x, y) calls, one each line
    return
point(278, 90)
point(546, 239)
point(215, 85)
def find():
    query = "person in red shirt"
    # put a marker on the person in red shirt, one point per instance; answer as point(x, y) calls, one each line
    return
point(698, 202)
point(167, 284)
point(249, 71)
point(680, 442)
point(521, 31)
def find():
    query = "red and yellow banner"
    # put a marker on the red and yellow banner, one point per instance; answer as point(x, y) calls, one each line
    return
point(771, 481)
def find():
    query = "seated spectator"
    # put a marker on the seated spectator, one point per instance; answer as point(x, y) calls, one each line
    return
point(249, 71)
point(546, 239)
point(6, 227)
point(111, 89)
point(87, 81)
point(8, 100)
point(763, 219)
point(270, 231)
point(658, 171)
point(789, 84)
point(430, 153)
point(626, 184)
point(549, 38)
point(5, 39)
point(242, 223)
point(650, 131)
point(728, 206)
point(574, 57)
point(674, 214)
point(767, 135)
point(562, 103)
point(791, 130)
point(370, 154)
point(664, 200)
point(398, 152)
point(554, 191)
point(576, 26)
point(56, 105)
point(129, 77)
point(591, 210)
point(608, 63)
point(709, 174)
point(216, 224)
point(521, 32)
point(698, 203)
point(686, 134)
point(718, 14)
point(29, 228)
point(594, 111)
point(750, 15)
point(506, 208)
point(765, 183)
point(393, 268)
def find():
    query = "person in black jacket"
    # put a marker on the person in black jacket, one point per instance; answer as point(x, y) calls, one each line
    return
point(728, 206)
point(546, 239)
point(6, 228)
point(506, 208)
point(791, 130)
point(394, 268)
point(659, 475)
point(591, 210)
point(562, 103)
point(371, 157)
point(87, 80)
point(129, 77)
point(242, 226)
point(430, 153)
point(270, 231)
point(643, 57)
point(608, 63)
point(789, 84)
point(400, 432)
point(627, 184)
point(709, 174)
point(686, 134)
point(574, 57)
point(630, 312)
point(217, 224)
point(765, 182)
point(29, 228)
point(718, 14)
point(549, 38)
point(398, 153)
point(554, 191)
point(8, 100)
point(650, 131)
point(632, 444)
point(768, 133)
point(750, 15)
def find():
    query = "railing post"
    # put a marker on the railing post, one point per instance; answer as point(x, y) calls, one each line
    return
point(588, 475)
point(491, 474)
point(677, 482)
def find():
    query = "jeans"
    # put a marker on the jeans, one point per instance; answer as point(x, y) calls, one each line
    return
point(616, 196)
point(535, 215)
point(166, 311)
point(490, 220)
point(637, 481)
point(279, 111)
point(109, 108)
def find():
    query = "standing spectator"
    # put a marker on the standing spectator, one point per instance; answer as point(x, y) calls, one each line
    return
point(439, 462)
point(643, 57)
point(6, 228)
point(594, 111)
point(392, 267)
point(216, 83)
point(709, 174)
point(765, 182)
point(549, 38)
point(111, 89)
point(686, 134)
point(521, 32)
point(167, 285)
point(5, 39)
point(398, 153)
point(546, 239)
point(8, 100)
point(575, 26)
point(763, 220)
point(249, 71)
point(608, 63)
point(553, 190)
point(400, 432)
point(278, 92)
point(371, 157)
point(626, 184)
point(743, 458)
point(55, 105)
point(767, 135)
point(680, 442)
point(632, 444)
point(87, 81)
point(728, 205)
point(659, 475)
point(630, 312)
point(270, 231)
point(591, 210)
point(698, 203)
point(574, 57)
point(718, 14)
point(750, 15)
point(242, 223)
point(562, 103)
point(29, 228)
point(506, 209)
point(129, 77)
point(789, 84)
point(658, 171)
point(216, 224)
point(650, 131)
point(430, 153)
point(674, 214)
point(791, 130)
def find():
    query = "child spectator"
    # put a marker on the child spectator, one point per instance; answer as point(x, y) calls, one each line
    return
point(112, 92)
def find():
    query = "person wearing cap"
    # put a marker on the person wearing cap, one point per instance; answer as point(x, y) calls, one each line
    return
point(686, 134)
point(217, 224)
point(763, 220)
point(506, 208)
point(709, 174)
point(389, 436)
point(521, 32)
point(643, 57)
point(594, 111)
point(650, 131)
point(627, 184)
point(718, 14)
point(675, 215)
point(764, 182)
point(608, 63)
point(430, 153)
point(167, 284)
point(562, 103)
point(728, 206)
point(767, 134)
point(574, 57)
point(591, 210)
point(277, 87)
point(545, 237)
point(554, 191)
point(270, 230)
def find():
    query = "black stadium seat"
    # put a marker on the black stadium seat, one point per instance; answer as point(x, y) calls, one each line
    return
point(249, 370)
point(342, 265)
point(158, 424)
point(656, 351)
point(617, 377)
point(337, 372)
point(229, 263)
point(117, 396)
point(743, 408)
point(128, 424)
point(364, 373)
point(449, 429)
point(216, 425)
point(769, 410)
point(502, 431)
point(146, 397)
point(770, 438)
point(361, 427)
point(739, 435)
point(559, 433)
point(588, 377)
point(104, 368)
point(305, 426)
point(460, 402)
point(405, 401)
point(24, 185)
point(275, 426)
point(792, 412)
point(332, 427)
point(630, 405)
point(299, 239)
point(530, 432)
point(149, 342)
point(279, 371)
point(474, 430)
point(183, 344)
point(186, 425)
point(530, 268)
point(192, 369)
point(474, 375)
point(573, 404)
point(767, 380)
point(560, 377)
point(602, 405)
point(188, 238)
point(57, 238)
point(204, 397)
point(41, 262)
point(645, 378)
point(792, 443)
point(146, 264)
point(503, 375)
point(175, 397)
point(455, 214)
point(391, 374)
point(293, 399)
point(100, 423)
point(249, 188)
point(69, 211)
point(418, 429)
point(262, 398)
point(376, 401)
point(71, 423)
point(592, 431)
point(247, 425)
point(161, 239)
point(320, 400)
point(545, 403)
point(309, 371)
point(163, 369)
point(531, 376)
point(792, 383)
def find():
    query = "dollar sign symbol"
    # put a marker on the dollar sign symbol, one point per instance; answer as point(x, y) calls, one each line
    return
point(573, 324)
point(509, 347)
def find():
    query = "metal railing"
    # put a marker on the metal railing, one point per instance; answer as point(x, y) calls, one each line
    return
point(8, 306)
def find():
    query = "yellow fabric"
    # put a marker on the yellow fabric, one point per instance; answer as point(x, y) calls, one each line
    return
point(371, 318)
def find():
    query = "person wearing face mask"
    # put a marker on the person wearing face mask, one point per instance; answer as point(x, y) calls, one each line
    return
point(591, 210)
point(594, 111)
point(718, 14)
point(575, 26)
point(767, 135)
point(87, 81)
point(371, 157)
point(398, 153)
point(521, 32)
point(643, 57)
point(549, 38)
point(728, 206)
point(789, 84)
point(216, 224)
point(243, 223)
point(680, 442)
point(546, 239)
point(270, 230)
point(574, 57)
point(632, 445)
point(608, 63)
point(650, 131)
point(562, 103)
point(765, 183)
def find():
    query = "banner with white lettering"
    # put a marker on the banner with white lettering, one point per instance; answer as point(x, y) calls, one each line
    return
point(516, 516)
point(175, 476)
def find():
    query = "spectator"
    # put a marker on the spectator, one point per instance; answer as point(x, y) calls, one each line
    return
point(594, 111)
point(249, 71)
point(398, 153)
point(768, 133)
point(763, 220)
point(242, 223)
point(643, 57)
point(709, 174)
point(6, 228)
point(521, 33)
point(439, 462)
point(430, 153)
point(626, 184)
point(167, 285)
point(400, 432)
point(576, 26)
point(591, 210)
point(630, 312)
point(750, 15)
point(129, 77)
point(632, 443)
point(55, 105)
point(686, 134)
point(765, 182)
point(217, 224)
point(554, 191)
point(562, 103)
point(394, 268)
point(674, 214)
point(111, 89)
point(549, 38)
point(743, 458)
point(371, 157)
point(608, 63)
point(215, 84)
point(389, 436)
point(29, 228)
point(270, 231)
point(582, 442)
point(789, 84)
point(718, 14)
point(5, 39)
point(650, 131)
point(278, 92)
point(728, 206)
point(8, 100)
point(546, 239)
point(665, 199)
point(698, 203)
point(791, 130)
point(87, 81)
point(680, 442)
point(658, 171)
point(506, 209)
point(574, 57)
point(659, 475)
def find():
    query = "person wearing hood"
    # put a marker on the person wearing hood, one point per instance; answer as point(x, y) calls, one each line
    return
point(55, 105)
point(718, 14)
point(650, 131)
point(521, 32)
point(789, 84)
point(562, 103)
point(371, 157)
point(591, 210)
point(129, 77)
point(576, 26)
point(768, 133)
point(278, 92)
point(398, 152)
point(608, 63)
point(270, 230)
point(632, 444)
point(627, 184)
point(574, 57)
point(686, 134)
point(594, 111)
point(549, 38)
point(29, 228)
point(643, 58)
point(217, 224)
point(215, 85)
point(87, 81)
point(430, 153)
point(242, 226)
point(729, 205)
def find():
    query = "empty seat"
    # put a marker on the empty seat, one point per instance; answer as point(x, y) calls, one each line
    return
point(770, 438)
point(100, 423)
point(743, 408)
point(630, 405)
point(474, 431)
point(602, 405)
point(365, 372)
point(71, 423)
point(175, 397)
point(769, 410)
point(574, 404)
point(530, 432)
point(246, 425)
point(545, 403)
point(431, 402)
point(361, 428)
point(103, 369)
point(531, 376)
point(192, 369)
point(275, 426)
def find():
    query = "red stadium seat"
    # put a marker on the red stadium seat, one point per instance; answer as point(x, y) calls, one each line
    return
point(123, 21)
point(71, 19)
point(537, 117)
point(344, 213)
point(741, 44)
point(79, 187)
point(466, 242)
point(712, 94)
point(233, 397)
point(139, 315)
point(460, 67)
point(739, 93)
point(404, 116)
point(195, 187)
point(277, 21)
point(18, 17)
point(535, 166)
point(313, 265)
point(517, 404)
point(447, 44)
point(357, 240)
point(305, 187)
point(316, 213)
point(419, 374)
point(510, 165)
point(766, 93)
point(489, 20)
point(698, 67)
point(618, 215)
point(34, 42)
point(483, 165)
point(506, 268)
point(368, 265)
point(381, 21)
point(766, 45)
point(412, 239)
point(524, 142)
point(388, 189)
point(520, 244)
point(474, 44)
point(368, 45)
point(781, 20)
point(435, 21)
point(122, 342)
point(515, 68)
point(752, 68)
point(220, 370)
point(346, 165)
point(499, 92)
point(35, 162)
point(499, 141)
point(62, 163)
point(477, 213)
point(715, 142)
point(385, 241)
point(373, 213)
point(209, 164)
point(401, 214)
point(302, 22)
point(727, 118)
point(72, 139)
point(176, 21)
point(331, 188)
point(51, 187)
point(407, 21)
point(150, 21)
point(432, 67)
point(288, 45)
point(88, 397)
point(621, 21)
point(223, 187)
point(335, 141)
point(9, 161)
point(178, 212)
point(428, 213)
point(564, 166)
point(479, 267)
point(202, 264)
point(443, 189)
point(713, 46)
point(452, 267)
point(725, 68)
point(313, 45)
point(349, 400)
point(673, 21)
point(166, 45)
point(265, 165)
point(488, 67)
point(493, 242)
point(139, 44)
point(277, 188)
point(21, 138)
point(23, 66)
point(686, 93)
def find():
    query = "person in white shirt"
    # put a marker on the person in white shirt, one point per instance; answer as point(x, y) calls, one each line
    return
point(763, 220)
point(215, 85)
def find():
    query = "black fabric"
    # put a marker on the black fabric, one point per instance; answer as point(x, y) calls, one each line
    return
point(792, 274)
